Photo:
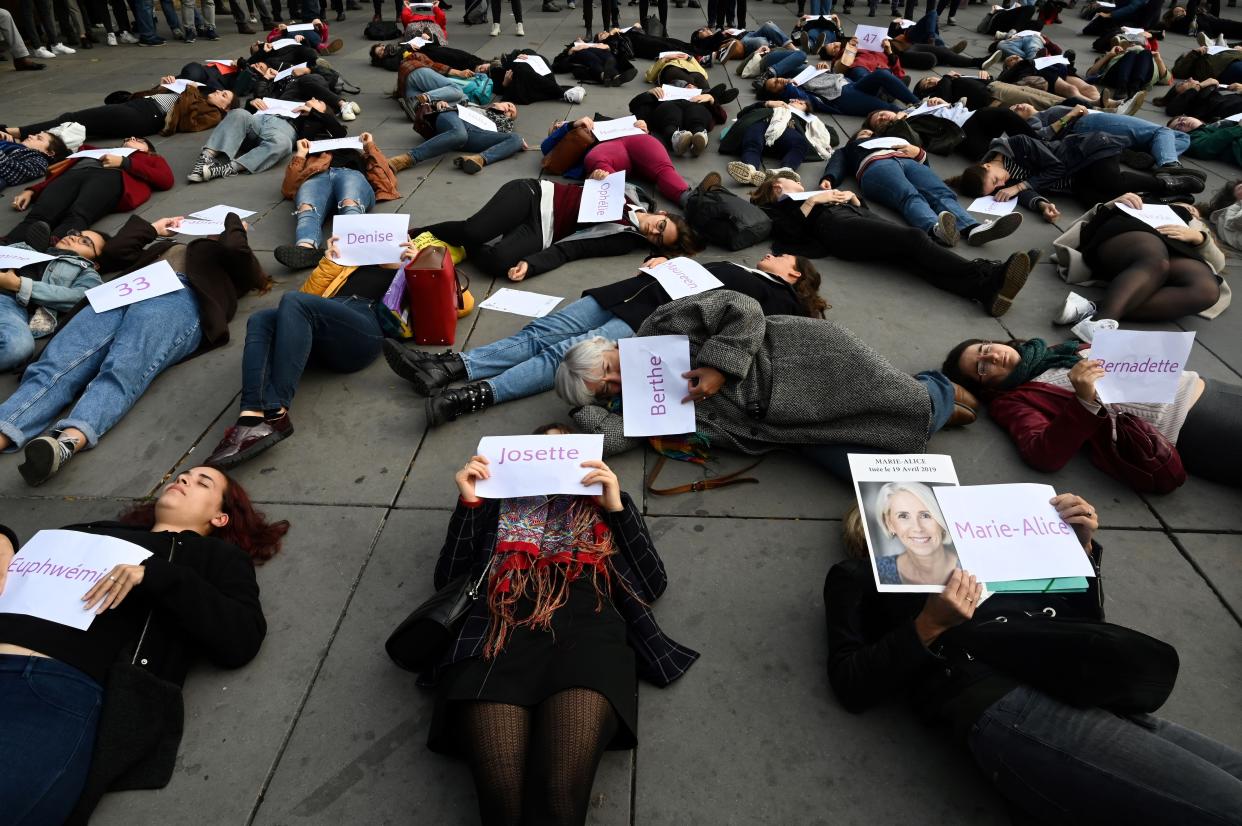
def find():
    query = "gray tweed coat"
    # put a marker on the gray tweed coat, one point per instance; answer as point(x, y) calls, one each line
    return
point(789, 381)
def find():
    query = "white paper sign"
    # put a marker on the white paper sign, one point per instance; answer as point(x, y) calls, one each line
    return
point(179, 85)
point(283, 42)
point(220, 211)
point(417, 42)
point(735, 32)
point(521, 302)
point(904, 23)
point(806, 74)
point(1235, 118)
point(871, 38)
point(280, 108)
point(475, 118)
point(535, 62)
point(1105, 5)
point(679, 92)
point(602, 200)
point(300, 27)
point(924, 108)
point(99, 153)
point(331, 144)
point(883, 143)
point(1154, 215)
point(149, 282)
point(535, 465)
point(284, 73)
point(804, 195)
point(1218, 49)
point(1051, 60)
point(1007, 532)
point(14, 258)
point(1132, 29)
point(653, 387)
point(1026, 33)
point(663, 55)
point(990, 206)
point(681, 277)
point(607, 130)
point(370, 239)
point(1140, 366)
point(197, 226)
point(49, 576)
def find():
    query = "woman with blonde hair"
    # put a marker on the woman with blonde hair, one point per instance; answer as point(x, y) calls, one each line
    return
point(908, 513)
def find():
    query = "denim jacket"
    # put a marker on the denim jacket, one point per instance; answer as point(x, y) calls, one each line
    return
point(65, 281)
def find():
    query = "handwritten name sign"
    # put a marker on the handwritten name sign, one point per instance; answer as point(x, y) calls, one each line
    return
point(370, 239)
point(535, 62)
point(14, 258)
point(534, 465)
point(990, 206)
point(149, 282)
point(1154, 215)
point(49, 576)
point(653, 387)
point(1050, 60)
point(679, 92)
point(284, 73)
point(607, 130)
point(199, 226)
point(602, 200)
point(1141, 366)
point(284, 42)
point(331, 144)
point(179, 85)
point(682, 276)
point(474, 117)
point(281, 108)
point(99, 153)
point(871, 38)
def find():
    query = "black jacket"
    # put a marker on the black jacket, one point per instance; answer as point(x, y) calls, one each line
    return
point(633, 299)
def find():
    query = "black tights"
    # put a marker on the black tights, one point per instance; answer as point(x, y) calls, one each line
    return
point(1148, 283)
point(513, 214)
point(941, 56)
point(1104, 180)
point(139, 118)
point(536, 765)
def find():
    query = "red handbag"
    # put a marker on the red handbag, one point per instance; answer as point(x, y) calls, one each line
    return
point(1139, 455)
point(434, 295)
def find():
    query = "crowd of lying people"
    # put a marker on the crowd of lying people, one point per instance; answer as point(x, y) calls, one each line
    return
point(541, 678)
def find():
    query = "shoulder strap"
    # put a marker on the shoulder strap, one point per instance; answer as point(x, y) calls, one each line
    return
point(734, 478)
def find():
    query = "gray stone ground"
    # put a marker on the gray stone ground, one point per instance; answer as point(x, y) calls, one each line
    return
point(321, 728)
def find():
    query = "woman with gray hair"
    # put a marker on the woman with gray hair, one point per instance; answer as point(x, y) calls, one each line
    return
point(908, 513)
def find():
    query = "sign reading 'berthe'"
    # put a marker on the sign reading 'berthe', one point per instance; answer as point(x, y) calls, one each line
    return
point(652, 385)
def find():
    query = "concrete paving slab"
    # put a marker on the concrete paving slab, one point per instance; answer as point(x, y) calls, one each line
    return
point(1216, 555)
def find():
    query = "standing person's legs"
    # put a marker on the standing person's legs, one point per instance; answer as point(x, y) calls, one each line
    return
point(97, 196)
point(144, 23)
point(26, 24)
point(587, 14)
point(276, 137)
point(649, 159)
point(169, 7)
point(515, 203)
point(892, 188)
point(46, 21)
point(10, 34)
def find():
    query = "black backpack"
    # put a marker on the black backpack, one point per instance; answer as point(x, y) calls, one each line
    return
point(476, 13)
point(381, 30)
point(726, 220)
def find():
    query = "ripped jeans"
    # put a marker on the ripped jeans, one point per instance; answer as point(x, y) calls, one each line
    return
point(326, 194)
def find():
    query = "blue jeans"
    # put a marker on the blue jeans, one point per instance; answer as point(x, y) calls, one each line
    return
point(784, 62)
point(110, 358)
point(927, 29)
point(1231, 74)
point(48, 715)
point(1027, 47)
point(940, 389)
point(274, 134)
point(791, 147)
point(1163, 143)
point(452, 134)
point(16, 342)
point(341, 334)
point(525, 363)
point(820, 7)
point(144, 18)
point(325, 194)
point(858, 98)
point(434, 85)
point(769, 34)
point(1060, 763)
point(914, 190)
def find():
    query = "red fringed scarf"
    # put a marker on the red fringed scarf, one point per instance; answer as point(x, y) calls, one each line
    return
point(542, 545)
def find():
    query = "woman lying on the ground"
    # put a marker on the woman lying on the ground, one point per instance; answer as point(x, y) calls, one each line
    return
point(834, 94)
point(1205, 100)
point(923, 38)
point(1059, 78)
point(983, 92)
point(898, 177)
point(336, 321)
point(102, 363)
point(641, 157)
point(1178, 21)
point(1045, 398)
point(266, 140)
point(1224, 214)
point(28, 159)
point(155, 111)
point(518, 81)
point(643, 45)
point(596, 62)
point(340, 182)
point(1151, 274)
point(1220, 141)
point(1162, 143)
point(525, 363)
point(542, 677)
point(519, 213)
point(83, 190)
point(1052, 757)
point(66, 730)
point(454, 133)
point(835, 222)
point(677, 69)
point(777, 129)
point(762, 384)
point(683, 125)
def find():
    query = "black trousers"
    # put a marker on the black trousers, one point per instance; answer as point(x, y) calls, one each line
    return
point(673, 115)
point(988, 124)
point(511, 217)
point(74, 201)
point(1214, 423)
point(1104, 180)
point(609, 14)
point(133, 118)
point(662, 6)
point(312, 86)
point(672, 74)
point(944, 56)
point(649, 47)
point(516, 5)
point(99, 14)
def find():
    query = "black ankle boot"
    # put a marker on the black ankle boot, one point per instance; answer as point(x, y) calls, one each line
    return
point(427, 372)
point(447, 406)
point(1180, 184)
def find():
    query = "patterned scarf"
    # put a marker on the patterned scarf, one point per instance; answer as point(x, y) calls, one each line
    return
point(543, 543)
point(1038, 357)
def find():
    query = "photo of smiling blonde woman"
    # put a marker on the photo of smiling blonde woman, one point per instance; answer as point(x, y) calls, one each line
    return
point(908, 515)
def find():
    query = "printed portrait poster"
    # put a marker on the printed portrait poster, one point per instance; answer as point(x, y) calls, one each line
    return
point(896, 498)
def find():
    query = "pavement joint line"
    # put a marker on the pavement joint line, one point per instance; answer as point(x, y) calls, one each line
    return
point(193, 444)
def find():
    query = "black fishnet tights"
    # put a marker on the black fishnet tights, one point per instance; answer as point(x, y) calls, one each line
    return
point(535, 767)
point(1150, 285)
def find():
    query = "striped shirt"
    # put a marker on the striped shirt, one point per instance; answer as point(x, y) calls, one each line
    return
point(165, 101)
point(19, 164)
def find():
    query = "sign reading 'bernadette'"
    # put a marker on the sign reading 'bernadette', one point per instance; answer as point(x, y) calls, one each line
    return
point(1140, 366)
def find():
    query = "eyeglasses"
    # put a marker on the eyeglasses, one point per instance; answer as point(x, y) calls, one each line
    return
point(75, 233)
point(657, 232)
point(982, 367)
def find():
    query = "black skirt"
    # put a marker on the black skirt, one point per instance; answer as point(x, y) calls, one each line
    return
point(584, 648)
point(1108, 224)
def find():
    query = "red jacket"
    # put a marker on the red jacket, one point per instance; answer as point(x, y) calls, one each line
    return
point(140, 173)
point(879, 60)
point(1047, 423)
point(437, 15)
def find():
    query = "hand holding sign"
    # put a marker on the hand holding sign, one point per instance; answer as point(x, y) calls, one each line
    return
point(370, 239)
point(951, 607)
point(1139, 366)
point(603, 198)
point(601, 474)
point(650, 366)
point(537, 465)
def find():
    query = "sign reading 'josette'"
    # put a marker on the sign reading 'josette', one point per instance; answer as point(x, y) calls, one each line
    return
point(534, 465)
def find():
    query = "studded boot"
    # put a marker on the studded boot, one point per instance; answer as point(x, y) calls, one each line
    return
point(427, 372)
point(448, 405)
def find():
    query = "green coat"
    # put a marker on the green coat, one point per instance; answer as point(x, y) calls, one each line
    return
point(1221, 141)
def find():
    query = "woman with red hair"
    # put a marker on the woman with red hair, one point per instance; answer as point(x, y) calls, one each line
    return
point(70, 698)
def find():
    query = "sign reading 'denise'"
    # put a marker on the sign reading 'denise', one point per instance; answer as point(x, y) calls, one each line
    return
point(370, 239)
point(681, 277)
point(53, 571)
point(1140, 366)
point(652, 385)
point(534, 465)
point(602, 200)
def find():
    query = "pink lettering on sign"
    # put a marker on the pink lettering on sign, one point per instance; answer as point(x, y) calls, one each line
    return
point(128, 288)
point(352, 238)
point(1035, 525)
point(28, 567)
point(1148, 365)
point(548, 454)
point(655, 378)
point(601, 206)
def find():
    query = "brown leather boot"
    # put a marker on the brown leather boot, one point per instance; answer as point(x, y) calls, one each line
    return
point(965, 407)
point(470, 164)
point(399, 163)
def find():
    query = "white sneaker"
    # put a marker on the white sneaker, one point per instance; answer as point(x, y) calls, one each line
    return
point(1220, 40)
point(1075, 309)
point(61, 48)
point(575, 94)
point(347, 111)
point(681, 142)
point(1086, 329)
point(698, 142)
point(110, 39)
point(520, 31)
point(43, 53)
point(1204, 39)
point(782, 172)
point(1132, 105)
point(495, 30)
point(991, 60)
point(127, 38)
point(744, 173)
